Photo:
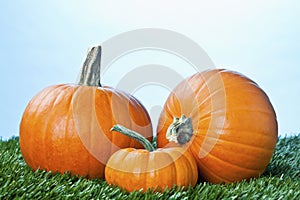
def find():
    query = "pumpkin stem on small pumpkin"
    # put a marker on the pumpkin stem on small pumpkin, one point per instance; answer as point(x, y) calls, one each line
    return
point(180, 131)
point(134, 135)
point(90, 71)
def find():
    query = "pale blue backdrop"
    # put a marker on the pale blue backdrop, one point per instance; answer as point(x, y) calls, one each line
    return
point(44, 43)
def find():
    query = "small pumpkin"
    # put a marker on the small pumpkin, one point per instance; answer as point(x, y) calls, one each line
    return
point(143, 169)
point(66, 127)
point(226, 120)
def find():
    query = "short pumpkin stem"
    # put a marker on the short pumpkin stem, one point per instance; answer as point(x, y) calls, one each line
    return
point(180, 131)
point(90, 71)
point(134, 135)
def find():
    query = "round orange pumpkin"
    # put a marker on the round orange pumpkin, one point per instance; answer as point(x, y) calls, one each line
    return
point(66, 127)
point(142, 169)
point(227, 122)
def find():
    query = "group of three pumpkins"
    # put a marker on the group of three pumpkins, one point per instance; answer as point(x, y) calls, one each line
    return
point(217, 126)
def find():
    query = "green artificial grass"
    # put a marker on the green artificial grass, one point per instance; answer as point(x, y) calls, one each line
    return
point(17, 181)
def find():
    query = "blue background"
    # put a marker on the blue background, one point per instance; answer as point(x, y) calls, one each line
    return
point(44, 43)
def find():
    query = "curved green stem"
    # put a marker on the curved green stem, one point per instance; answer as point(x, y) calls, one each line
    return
point(134, 135)
point(90, 71)
point(180, 131)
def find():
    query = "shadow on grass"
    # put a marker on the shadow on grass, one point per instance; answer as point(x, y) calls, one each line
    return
point(285, 162)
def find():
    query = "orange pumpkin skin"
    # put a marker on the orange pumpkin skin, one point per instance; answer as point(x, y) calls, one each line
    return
point(234, 124)
point(138, 169)
point(67, 128)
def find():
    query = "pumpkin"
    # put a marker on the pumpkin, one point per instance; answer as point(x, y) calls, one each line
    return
point(66, 127)
point(225, 120)
point(142, 169)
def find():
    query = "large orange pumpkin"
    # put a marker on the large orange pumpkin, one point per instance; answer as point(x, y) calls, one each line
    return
point(143, 169)
point(226, 121)
point(66, 127)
